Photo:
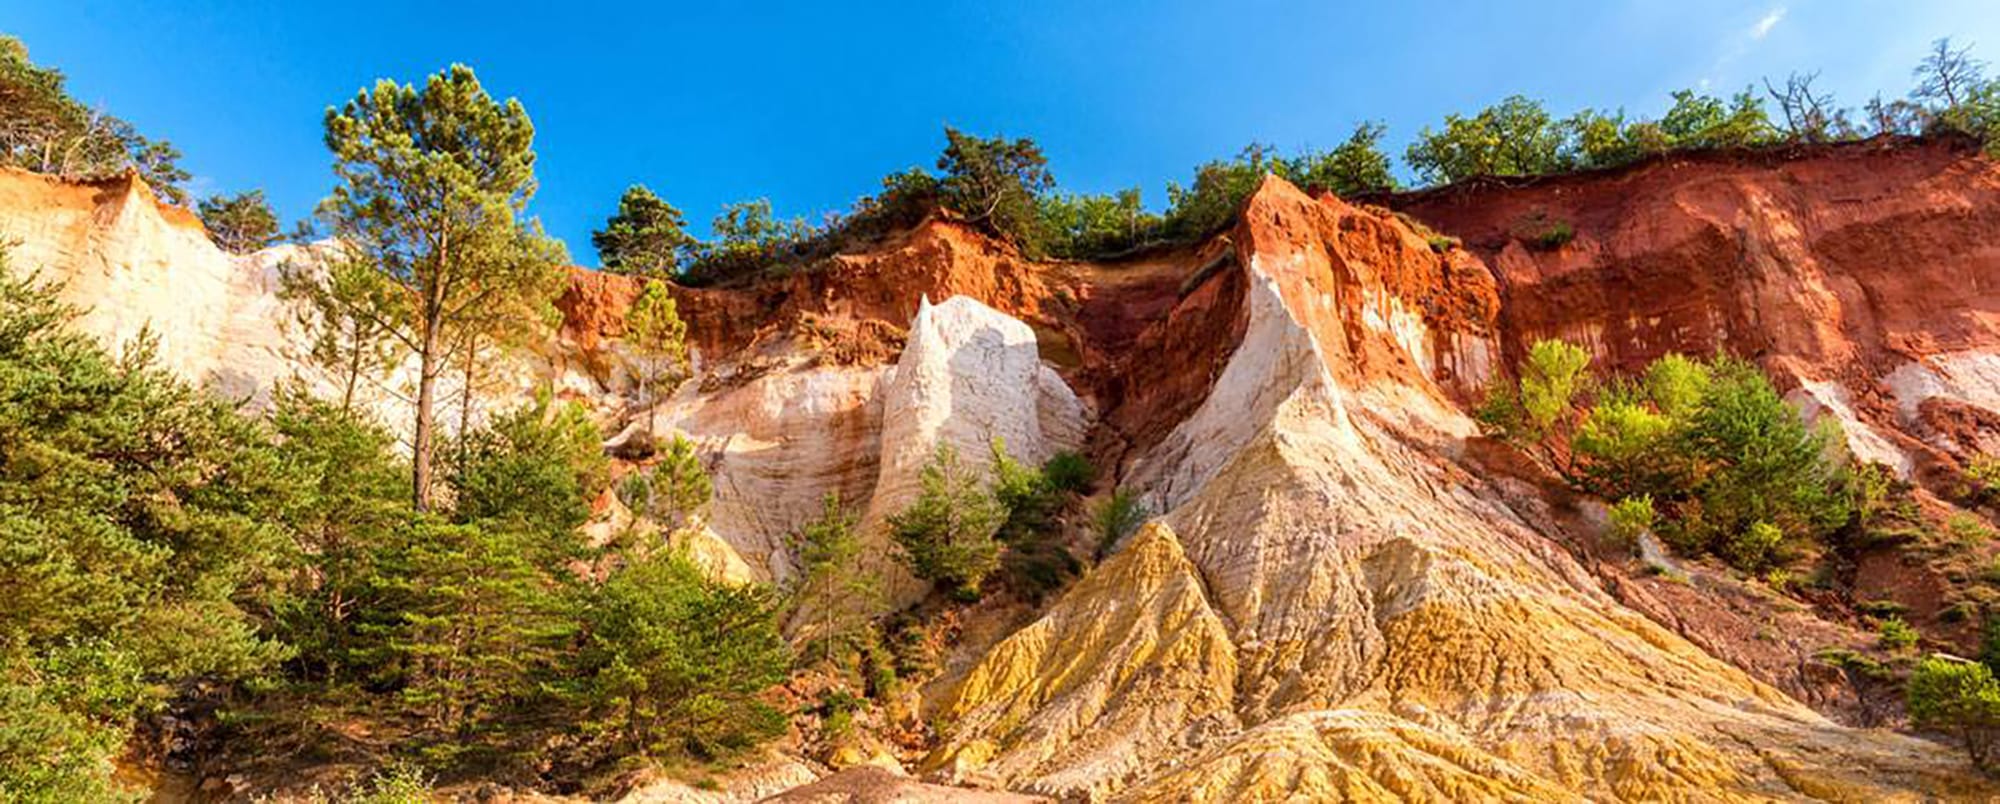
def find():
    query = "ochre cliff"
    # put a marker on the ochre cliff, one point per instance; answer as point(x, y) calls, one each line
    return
point(1344, 592)
point(1864, 275)
point(1398, 625)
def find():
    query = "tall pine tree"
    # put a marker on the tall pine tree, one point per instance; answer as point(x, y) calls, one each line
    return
point(433, 182)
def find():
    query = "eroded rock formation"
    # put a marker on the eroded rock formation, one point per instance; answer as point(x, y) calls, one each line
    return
point(1344, 592)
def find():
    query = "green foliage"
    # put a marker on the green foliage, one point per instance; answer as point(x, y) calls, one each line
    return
point(751, 227)
point(653, 326)
point(1628, 446)
point(947, 534)
point(63, 717)
point(1117, 517)
point(479, 617)
point(1953, 93)
point(1961, 698)
point(431, 186)
point(1555, 236)
point(1705, 121)
point(1982, 478)
point(1759, 460)
point(1217, 193)
point(835, 595)
point(1083, 226)
point(1035, 559)
point(646, 236)
point(536, 468)
point(1631, 517)
point(138, 544)
point(672, 490)
point(1355, 167)
point(1754, 547)
point(1676, 384)
point(45, 130)
point(240, 223)
point(1967, 529)
point(1712, 444)
point(1989, 642)
point(351, 502)
point(678, 662)
point(1515, 137)
point(995, 183)
point(1518, 137)
point(656, 334)
point(1550, 380)
point(1068, 472)
point(335, 300)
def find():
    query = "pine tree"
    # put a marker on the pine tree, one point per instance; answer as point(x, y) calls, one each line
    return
point(646, 237)
point(671, 491)
point(240, 223)
point(350, 506)
point(433, 182)
point(679, 662)
point(139, 545)
point(478, 619)
point(335, 299)
point(834, 596)
point(536, 467)
point(995, 184)
point(947, 533)
point(658, 338)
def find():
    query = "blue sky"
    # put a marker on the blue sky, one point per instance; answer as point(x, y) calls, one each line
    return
point(809, 104)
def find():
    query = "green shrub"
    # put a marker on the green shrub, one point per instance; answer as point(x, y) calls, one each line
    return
point(141, 524)
point(1982, 477)
point(1036, 561)
point(537, 466)
point(1753, 547)
point(1895, 635)
point(241, 223)
point(994, 183)
point(1550, 380)
point(1068, 472)
point(836, 710)
point(1116, 518)
point(1760, 462)
point(1733, 469)
point(680, 663)
point(400, 783)
point(1968, 530)
point(835, 595)
point(1631, 517)
point(1881, 608)
point(1557, 235)
point(671, 491)
point(1960, 698)
point(1627, 448)
point(947, 534)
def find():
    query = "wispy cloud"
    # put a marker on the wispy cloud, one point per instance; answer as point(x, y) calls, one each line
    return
point(1736, 45)
point(1765, 24)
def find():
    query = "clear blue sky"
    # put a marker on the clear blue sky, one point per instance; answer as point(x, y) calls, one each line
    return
point(809, 104)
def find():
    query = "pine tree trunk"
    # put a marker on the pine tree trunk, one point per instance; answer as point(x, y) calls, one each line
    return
point(353, 370)
point(465, 397)
point(426, 405)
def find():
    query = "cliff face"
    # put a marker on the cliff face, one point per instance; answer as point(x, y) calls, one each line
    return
point(1387, 620)
point(1343, 591)
point(1862, 276)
